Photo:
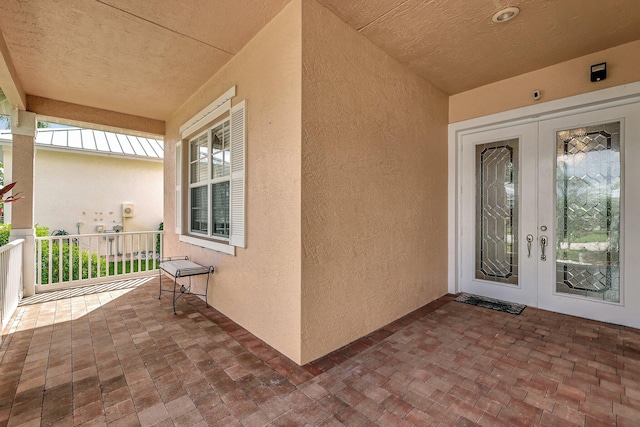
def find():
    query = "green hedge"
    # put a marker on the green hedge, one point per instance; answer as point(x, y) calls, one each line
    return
point(5, 229)
point(76, 253)
point(96, 263)
point(4, 234)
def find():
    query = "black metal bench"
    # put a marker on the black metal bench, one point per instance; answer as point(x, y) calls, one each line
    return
point(181, 267)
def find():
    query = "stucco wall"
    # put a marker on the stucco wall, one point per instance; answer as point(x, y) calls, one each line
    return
point(555, 82)
point(374, 193)
point(259, 288)
point(72, 188)
point(78, 115)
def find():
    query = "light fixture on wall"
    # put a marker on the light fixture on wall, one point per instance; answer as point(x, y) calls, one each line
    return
point(505, 14)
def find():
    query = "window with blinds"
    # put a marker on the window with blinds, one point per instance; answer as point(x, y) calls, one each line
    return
point(210, 173)
point(215, 197)
point(216, 180)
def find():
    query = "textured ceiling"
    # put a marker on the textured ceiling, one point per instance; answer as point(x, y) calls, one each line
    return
point(137, 57)
point(455, 45)
point(147, 57)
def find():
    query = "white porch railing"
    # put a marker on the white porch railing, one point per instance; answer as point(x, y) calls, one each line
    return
point(10, 280)
point(84, 259)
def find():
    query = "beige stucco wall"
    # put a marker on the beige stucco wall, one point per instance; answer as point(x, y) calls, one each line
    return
point(259, 288)
point(22, 172)
point(78, 115)
point(554, 82)
point(374, 193)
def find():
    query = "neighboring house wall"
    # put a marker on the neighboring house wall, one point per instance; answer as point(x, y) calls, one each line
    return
point(90, 189)
point(374, 193)
point(555, 82)
point(259, 288)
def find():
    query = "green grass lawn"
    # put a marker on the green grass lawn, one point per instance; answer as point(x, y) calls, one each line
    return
point(126, 266)
point(596, 236)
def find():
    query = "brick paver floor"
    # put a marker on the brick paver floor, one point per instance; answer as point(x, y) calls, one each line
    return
point(122, 358)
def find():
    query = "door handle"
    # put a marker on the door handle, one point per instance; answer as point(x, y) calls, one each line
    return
point(529, 241)
point(543, 244)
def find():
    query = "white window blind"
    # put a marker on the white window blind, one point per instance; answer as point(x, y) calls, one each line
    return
point(178, 202)
point(198, 184)
point(238, 158)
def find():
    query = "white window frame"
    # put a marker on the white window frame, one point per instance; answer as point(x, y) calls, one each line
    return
point(237, 197)
point(209, 182)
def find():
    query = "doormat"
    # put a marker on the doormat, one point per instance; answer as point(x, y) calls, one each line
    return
point(494, 304)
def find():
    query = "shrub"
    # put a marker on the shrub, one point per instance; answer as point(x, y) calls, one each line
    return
point(57, 251)
point(160, 228)
point(41, 231)
point(5, 230)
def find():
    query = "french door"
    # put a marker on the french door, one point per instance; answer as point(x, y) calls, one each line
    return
point(550, 214)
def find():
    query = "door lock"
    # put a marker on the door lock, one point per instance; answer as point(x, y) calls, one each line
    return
point(543, 244)
point(529, 241)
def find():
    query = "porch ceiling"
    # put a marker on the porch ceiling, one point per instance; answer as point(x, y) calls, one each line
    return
point(146, 58)
point(141, 58)
point(455, 45)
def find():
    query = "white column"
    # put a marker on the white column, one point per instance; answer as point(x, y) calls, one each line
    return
point(23, 130)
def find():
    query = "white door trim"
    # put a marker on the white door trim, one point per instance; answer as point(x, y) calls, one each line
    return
point(605, 98)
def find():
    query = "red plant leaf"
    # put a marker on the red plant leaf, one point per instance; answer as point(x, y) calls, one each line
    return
point(6, 189)
point(12, 199)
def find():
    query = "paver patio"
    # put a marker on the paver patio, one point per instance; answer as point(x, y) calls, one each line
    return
point(122, 358)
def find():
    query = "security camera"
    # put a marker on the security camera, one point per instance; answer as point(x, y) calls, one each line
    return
point(536, 94)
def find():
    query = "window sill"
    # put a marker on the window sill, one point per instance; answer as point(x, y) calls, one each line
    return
point(225, 248)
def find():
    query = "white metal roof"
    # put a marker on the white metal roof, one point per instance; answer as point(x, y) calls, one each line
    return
point(96, 141)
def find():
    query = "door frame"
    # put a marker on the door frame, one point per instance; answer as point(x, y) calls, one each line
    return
point(592, 101)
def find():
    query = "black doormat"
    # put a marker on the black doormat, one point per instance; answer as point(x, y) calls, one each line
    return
point(494, 304)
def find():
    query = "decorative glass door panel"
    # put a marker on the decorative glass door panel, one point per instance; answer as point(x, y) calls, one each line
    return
point(589, 164)
point(497, 211)
point(588, 187)
point(497, 259)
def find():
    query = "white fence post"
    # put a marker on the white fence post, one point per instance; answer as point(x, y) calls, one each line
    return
point(11, 268)
point(29, 258)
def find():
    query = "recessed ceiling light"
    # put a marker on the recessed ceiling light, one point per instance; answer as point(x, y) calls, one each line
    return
point(505, 14)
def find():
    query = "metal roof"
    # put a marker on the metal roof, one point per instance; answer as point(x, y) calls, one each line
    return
point(96, 141)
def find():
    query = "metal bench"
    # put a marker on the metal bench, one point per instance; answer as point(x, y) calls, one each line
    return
point(181, 267)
